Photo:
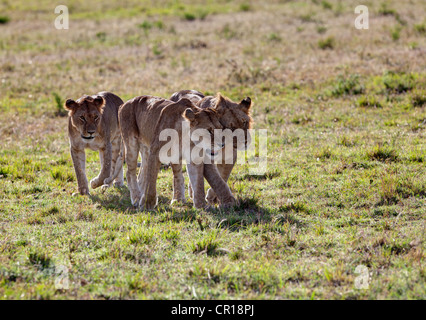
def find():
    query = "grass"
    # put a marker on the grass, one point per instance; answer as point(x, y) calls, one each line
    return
point(327, 43)
point(345, 182)
point(347, 86)
point(4, 19)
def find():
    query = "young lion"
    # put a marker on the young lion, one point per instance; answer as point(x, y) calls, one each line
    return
point(93, 123)
point(142, 122)
point(232, 116)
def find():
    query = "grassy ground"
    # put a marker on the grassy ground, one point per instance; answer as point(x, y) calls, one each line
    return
point(345, 185)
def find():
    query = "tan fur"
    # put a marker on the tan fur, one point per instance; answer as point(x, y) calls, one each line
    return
point(95, 116)
point(232, 116)
point(141, 121)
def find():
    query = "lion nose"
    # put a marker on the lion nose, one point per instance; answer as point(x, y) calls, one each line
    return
point(90, 131)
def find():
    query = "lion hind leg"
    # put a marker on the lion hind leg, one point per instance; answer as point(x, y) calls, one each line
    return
point(117, 167)
point(132, 152)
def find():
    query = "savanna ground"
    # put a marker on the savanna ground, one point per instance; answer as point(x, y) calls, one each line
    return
point(345, 183)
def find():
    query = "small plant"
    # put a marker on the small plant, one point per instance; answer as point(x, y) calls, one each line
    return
point(295, 206)
point(308, 17)
point(59, 104)
point(420, 28)
point(382, 153)
point(39, 259)
point(146, 25)
point(385, 11)
point(208, 245)
point(388, 190)
point(245, 7)
point(347, 142)
point(321, 29)
point(326, 5)
point(347, 86)
point(159, 24)
point(156, 50)
point(101, 36)
point(274, 37)
point(323, 153)
point(189, 16)
point(51, 211)
point(301, 119)
point(369, 102)
point(327, 43)
point(396, 33)
point(61, 174)
point(202, 14)
point(4, 19)
point(418, 99)
point(140, 235)
point(398, 83)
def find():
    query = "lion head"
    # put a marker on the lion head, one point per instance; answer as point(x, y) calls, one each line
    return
point(235, 117)
point(203, 123)
point(86, 114)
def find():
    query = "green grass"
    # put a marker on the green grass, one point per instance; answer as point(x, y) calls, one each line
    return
point(4, 19)
point(327, 43)
point(345, 183)
point(347, 85)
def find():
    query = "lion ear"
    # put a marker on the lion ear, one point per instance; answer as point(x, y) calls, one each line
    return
point(70, 105)
point(99, 102)
point(245, 104)
point(189, 115)
point(185, 102)
point(220, 102)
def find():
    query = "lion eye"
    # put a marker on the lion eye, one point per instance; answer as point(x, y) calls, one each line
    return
point(83, 119)
point(96, 118)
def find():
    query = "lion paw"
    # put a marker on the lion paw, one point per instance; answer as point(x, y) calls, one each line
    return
point(104, 188)
point(211, 197)
point(95, 183)
point(81, 192)
point(135, 201)
point(147, 203)
point(230, 202)
point(177, 201)
point(119, 184)
point(108, 181)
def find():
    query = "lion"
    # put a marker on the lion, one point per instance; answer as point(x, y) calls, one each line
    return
point(93, 124)
point(143, 120)
point(232, 116)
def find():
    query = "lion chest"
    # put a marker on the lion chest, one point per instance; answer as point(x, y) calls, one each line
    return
point(94, 144)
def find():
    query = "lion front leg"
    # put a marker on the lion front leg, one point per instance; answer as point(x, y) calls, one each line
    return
point(117, 165)
point(117, 162)
point(105, 156)
point(224, 170)
point(195, 173)
point(220, 187)
point(79, 161)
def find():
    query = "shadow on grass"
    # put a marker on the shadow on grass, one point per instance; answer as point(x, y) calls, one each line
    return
point(118, 200)
point(248, 213)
